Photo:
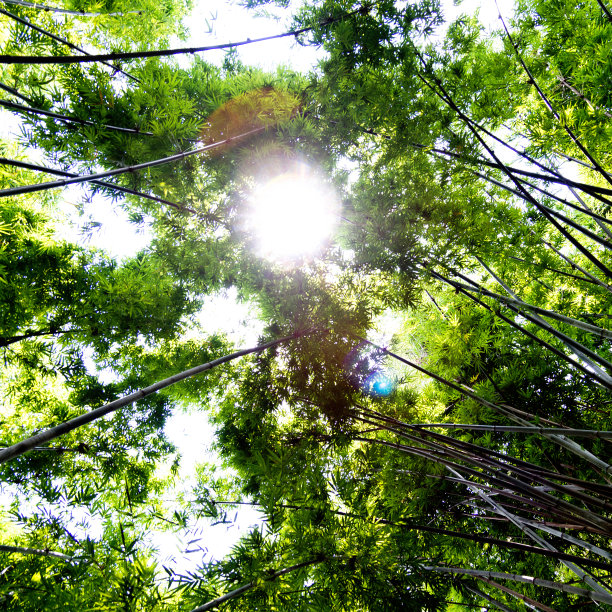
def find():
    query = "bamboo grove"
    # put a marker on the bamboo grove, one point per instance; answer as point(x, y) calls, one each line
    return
point(425, 421)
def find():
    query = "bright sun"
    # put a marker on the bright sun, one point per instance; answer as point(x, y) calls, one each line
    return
point(292, 215)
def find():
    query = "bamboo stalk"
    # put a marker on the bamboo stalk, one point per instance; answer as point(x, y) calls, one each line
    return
point(68, 118)
point(528, 468)
point(549, 214)
point(605, 9)
point(79, 59)
point(52, 9)
point(555, 270)
point(559, 506)
point(497, 473)
point(549, 584)
point(561, 440)
point(581, 351)
point(589, 372)
point(570, 539)
point(63, 41)
point(550, 107)
point(247, 587)
point(551, 314)
point(578, 571)
point(411, 526)
point(34, 551)
point(448, 100)
point(114, 187)
point(528, 601)
point(15, 93)
point(492, 600)
point(580, 433)
point(59, 430)
point(156, 162)
point(575, 266)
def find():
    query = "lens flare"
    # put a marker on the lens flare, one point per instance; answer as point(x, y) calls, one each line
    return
point(379, 385)
point(292, 215)
point(364, 368)
point(246, 113)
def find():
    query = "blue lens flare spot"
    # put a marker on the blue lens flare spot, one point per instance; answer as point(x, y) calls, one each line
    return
point(379, 385)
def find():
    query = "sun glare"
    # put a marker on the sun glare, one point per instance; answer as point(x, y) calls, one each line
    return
point(292, 215)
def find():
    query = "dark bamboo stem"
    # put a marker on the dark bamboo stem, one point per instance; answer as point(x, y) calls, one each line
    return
point(52, 9)
point(59, 430)
point(135, 168)
point(79, 59)
point(523, 309)
point(526, 332)
point(605, 9)
point(411, 526)
point(115, 187)
point(550, 107)
point(63, 41)
point(247, 587)
point(68, 118)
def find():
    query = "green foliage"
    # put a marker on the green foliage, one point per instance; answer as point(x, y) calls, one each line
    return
point(355, 499)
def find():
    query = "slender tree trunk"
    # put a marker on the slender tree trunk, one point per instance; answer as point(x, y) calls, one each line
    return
point(410, 526)
point(180, 207)
point(67, 118)
point(560, 440)
point(594, 373)
point(552, 110)
point(487, 597)
point(577, 570)
point(52, 9)
point(581, 433)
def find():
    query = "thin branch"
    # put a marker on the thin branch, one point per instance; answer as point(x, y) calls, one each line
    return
point(15, 93)
point(518, 522)
point(548, 104)
point(605, 9)
point(532, 603)
point(559, 439)
point(487, 597)
point(580, 433)
point(115, 187)
point(578, 93)
point(580, 350)
point(410, 526)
